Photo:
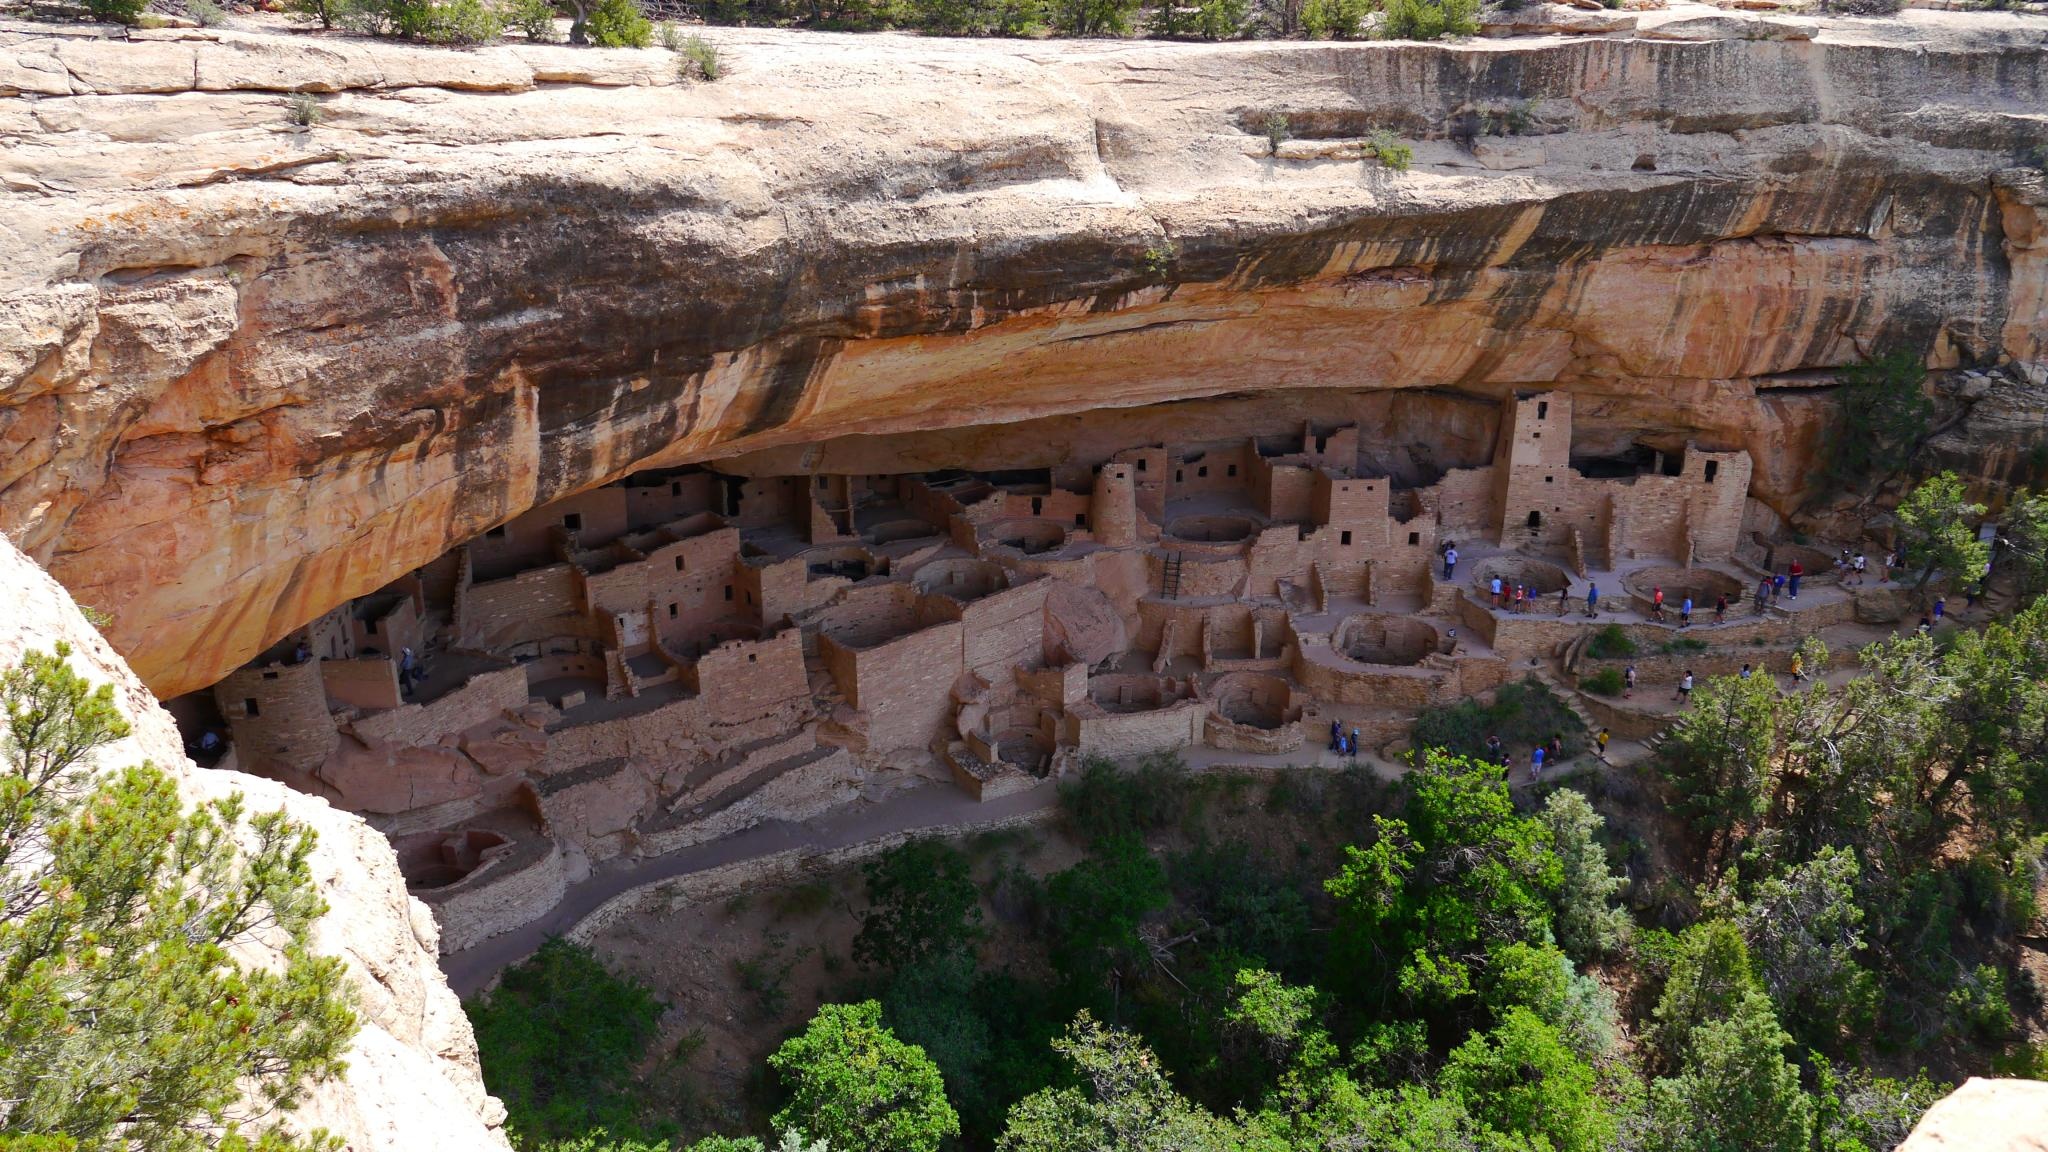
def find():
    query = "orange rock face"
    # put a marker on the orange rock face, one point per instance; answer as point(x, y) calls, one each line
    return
point(249, 369)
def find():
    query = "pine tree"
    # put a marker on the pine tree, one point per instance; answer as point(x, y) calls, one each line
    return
point(125, 1018)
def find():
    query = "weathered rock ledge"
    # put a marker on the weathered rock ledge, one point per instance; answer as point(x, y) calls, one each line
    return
point(412, 1079)
point(249, 369)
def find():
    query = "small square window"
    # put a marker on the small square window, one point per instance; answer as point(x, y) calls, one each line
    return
point(1543, 409)
point(671, 611)
point(750, 657)
point(249, 707)
point(1141, 463)
point(821, 483)
point(573, 521)
point(1177, 477)
point(679, 563)
point(1080, 519)
point(1346, 539)
point(1535, 435)
point(1414, 538)
point(1202, 472)
point(497, 533)
point(676, 489)
point(270, 675)
point(1550, 479)
point(1231, 470)
point(728, 591)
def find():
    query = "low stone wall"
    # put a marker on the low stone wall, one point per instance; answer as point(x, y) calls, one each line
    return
point(1669, 668)
point(487, 696)
point(1622, 721)
point(1345, 681)
point(717, 884)
point(1233, 737)
point(1519, 636)
point(494, 900)
point(1118, 735)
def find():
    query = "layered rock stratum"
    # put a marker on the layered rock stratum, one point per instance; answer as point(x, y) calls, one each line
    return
point(249, 369)
point(412, 1079)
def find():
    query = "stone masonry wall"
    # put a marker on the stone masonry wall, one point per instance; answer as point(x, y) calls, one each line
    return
point(473, 911)
point(486, 696)
point(278, 714)
point(906, 686)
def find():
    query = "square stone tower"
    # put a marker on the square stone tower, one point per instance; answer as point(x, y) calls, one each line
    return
point(1532, 476)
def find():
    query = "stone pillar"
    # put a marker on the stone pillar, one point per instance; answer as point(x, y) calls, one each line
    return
point(1113, 509)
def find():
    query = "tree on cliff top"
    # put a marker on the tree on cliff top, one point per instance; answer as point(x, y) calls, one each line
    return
point(125, 1018)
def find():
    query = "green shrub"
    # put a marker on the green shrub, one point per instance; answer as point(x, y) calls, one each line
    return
point(1610, 643)
point(1103, 802)
point(1605, 682)
point(1681, 646)
point(1334, 19)
point(618, 24)
point(701, 55)
point(559, 1039)
point(1093, 17)
point(1522, 714)
point(325, 13)
point(1862, 7)
point(206, 13)
point(1221, 19)
point(1430, 19)
point(1389, 150)
point(535, 18)
point(462, 22)
point(116, 11)
point(303, 109)
point(1276, 129)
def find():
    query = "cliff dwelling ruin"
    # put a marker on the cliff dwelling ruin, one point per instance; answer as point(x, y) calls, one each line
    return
point(663, 660)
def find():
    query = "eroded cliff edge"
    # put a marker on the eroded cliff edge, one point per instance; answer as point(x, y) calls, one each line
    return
point(412, 1078)
point(248, 370)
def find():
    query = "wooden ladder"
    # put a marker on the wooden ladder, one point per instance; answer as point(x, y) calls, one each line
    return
point(1169, 582)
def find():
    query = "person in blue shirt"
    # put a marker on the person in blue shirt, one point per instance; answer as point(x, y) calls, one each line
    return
point(1536, 763)
point(1592, 599)
point(1685, 613)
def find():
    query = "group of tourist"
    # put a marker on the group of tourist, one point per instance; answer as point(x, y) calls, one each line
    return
point(1342, 742)
point(1548, 754)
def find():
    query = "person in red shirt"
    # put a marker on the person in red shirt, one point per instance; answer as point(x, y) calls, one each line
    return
point(1794, 573)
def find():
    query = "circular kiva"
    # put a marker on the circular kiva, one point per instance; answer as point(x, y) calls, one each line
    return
point(1032, 537)
point(1540, 577)
point(1378, 638)
point(1701, 585)
point(1214, 529)
point(1251, 699)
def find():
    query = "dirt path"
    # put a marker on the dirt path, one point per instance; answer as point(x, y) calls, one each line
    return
point(936, 806)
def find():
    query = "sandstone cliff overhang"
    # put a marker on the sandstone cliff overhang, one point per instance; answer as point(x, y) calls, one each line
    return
point(249, 369)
